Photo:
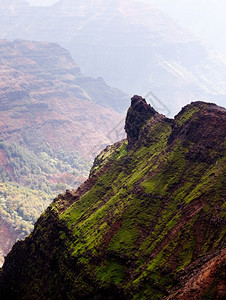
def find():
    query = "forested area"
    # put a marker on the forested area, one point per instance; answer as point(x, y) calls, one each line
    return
point(29, 180)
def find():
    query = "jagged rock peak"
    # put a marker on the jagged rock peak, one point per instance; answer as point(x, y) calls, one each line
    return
point(137, 115)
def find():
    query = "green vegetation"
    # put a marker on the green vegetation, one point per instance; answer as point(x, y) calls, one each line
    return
point(21, 206)
point(148, 215)
point(30, 180)
point(111, 272)
point(164, 182)
point(110, 154)
point(189, 112)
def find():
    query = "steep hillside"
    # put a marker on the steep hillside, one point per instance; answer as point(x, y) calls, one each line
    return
point(147, 224)
point(133, 45)
point(53, 120)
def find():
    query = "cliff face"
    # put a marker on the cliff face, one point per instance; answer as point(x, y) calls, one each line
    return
point(147, 224)
point(136, 118)
point(133, 45)
point(43, 91)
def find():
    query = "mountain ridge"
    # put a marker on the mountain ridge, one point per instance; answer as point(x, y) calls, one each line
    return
point(148, 223)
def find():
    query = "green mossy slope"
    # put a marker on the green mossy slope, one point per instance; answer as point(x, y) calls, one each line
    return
point(150, 213)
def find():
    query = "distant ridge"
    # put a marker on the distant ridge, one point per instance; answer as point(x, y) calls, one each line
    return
point(132, 45)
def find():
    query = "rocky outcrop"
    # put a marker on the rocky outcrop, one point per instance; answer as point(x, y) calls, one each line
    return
point(204, 279)
point(136, 118)
point(211, 122)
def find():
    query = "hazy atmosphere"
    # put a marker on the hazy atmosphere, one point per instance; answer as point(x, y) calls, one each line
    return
point(112, 149)
point(205, 18)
